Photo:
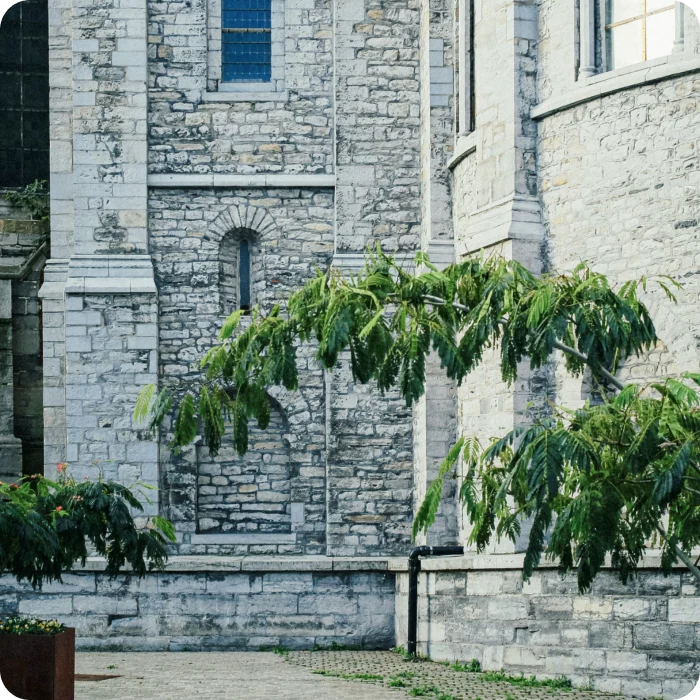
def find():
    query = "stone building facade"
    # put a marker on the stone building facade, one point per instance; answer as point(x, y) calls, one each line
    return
point(533, 128)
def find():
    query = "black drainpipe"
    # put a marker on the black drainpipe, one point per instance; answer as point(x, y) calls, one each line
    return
point(413, 570)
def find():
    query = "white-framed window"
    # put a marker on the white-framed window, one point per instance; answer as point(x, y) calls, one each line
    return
point(246, 45)
point(637, 30)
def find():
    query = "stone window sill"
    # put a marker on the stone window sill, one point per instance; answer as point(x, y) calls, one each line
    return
point(615, 81)
point(247, 96)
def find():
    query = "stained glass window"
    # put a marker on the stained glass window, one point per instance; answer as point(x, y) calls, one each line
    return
point(246, 41)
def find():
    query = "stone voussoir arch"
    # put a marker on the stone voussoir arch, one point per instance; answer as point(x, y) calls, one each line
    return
point(241, 217)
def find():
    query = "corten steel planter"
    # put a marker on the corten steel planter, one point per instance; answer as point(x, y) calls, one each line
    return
point(39, 667)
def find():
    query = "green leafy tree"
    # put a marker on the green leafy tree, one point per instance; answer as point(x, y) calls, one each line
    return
point(596, 482)
point(46, 527)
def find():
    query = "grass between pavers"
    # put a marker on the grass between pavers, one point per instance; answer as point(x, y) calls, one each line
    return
point(437, 681)
point(349, 676)
point(473, 666)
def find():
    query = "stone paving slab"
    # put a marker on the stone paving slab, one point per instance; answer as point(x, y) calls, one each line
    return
point(214, 676)
point(340, 675)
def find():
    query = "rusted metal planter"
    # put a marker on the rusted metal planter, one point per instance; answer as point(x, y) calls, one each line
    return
point(39, 667)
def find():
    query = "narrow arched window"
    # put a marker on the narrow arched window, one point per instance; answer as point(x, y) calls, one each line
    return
point(236, 261)
point(244, 275)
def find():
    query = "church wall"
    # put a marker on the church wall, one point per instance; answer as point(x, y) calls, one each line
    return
point(619, 187)
point(611, 181)
point(28, 370)
point(192, 130)
point(638, 639)
point(200, 605)
point(293, 238)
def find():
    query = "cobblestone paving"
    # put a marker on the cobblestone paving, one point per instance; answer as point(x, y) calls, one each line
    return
point(426, 679)
point(340, 675)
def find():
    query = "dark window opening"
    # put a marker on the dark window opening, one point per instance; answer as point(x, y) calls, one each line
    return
point(244, 275)
point(24, 87)
point(472, 72)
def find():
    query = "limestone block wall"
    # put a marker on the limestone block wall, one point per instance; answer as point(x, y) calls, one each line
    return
point(111, 342)
point(377, 113)
point(557, 48)
point(207, 605)
point(22, 257)
point(293, 235)
point(619, 189)
point(437, 92)
point(641, 639)
point(53, 309)
point(195, 131)
point(109, 124)
point(370, 469)
point(250, 493)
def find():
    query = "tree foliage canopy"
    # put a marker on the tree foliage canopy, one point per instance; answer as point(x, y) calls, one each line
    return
point(598, 481)
point(46, 526)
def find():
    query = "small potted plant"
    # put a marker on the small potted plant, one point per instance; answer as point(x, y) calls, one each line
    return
point(47, 648)
point(46, 527)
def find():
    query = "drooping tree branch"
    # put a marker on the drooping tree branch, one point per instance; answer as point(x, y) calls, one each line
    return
point(437, 301)
point(679, 553)
point(596, 368)
point(389, 320)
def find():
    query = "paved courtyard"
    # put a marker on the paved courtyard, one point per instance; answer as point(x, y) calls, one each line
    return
point(340, 675)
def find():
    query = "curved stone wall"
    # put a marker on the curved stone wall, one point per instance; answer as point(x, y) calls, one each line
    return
point(619, 185)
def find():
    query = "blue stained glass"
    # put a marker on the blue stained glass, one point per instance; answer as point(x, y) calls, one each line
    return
point(244, 275)
point(247, 55)
point(246, 14)
point(253, 19)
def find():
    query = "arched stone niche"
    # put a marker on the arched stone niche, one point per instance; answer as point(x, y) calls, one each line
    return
point(249, 493)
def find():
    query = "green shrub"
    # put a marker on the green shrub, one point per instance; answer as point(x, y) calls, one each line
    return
point(46, 526)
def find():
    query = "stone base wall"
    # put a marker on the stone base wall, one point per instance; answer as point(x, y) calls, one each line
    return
point(229, 605)
point(642, 639)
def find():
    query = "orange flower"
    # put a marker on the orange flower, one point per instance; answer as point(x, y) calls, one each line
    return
point(59, 509)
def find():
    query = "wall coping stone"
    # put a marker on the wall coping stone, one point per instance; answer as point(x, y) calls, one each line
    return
point(252, 180)
point(125, 285)
point(223, 564)
point(441, 252)
point(110, 274)
point(614, 81)
point(504, 562)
